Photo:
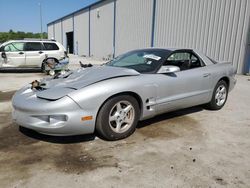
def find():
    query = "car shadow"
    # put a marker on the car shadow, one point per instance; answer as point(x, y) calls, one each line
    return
point(56, 139)
point(20, 70)
point(90, 137)
point(169, 115)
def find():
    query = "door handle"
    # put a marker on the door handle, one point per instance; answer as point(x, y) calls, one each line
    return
point(40, 52)
point(21, 53)
point(206, 75)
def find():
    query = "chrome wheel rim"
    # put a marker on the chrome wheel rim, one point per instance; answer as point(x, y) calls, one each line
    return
point(221, 95)
point(121, 116)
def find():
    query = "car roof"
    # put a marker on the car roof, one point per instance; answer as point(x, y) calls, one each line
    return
point(165, 48)
point(171, 49)
point(199, 53)
point(42, 40)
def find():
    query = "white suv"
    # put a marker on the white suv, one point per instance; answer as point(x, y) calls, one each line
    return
point(29, 53)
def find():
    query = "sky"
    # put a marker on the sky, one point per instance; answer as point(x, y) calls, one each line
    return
point(24, 15)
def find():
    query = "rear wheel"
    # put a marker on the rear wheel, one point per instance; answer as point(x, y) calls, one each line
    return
point(118, 117)
point(43, 68)
point(219, 97)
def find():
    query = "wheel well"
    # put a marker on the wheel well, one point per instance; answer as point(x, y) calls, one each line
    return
point(50, 58)
point(226, 79)
point(135, 95)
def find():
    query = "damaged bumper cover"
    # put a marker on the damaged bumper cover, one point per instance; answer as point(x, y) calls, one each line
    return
point(60, 117)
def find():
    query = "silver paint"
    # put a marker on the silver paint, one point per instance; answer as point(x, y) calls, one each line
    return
point(84, 91)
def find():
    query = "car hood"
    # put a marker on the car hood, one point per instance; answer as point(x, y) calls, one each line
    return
point(55, 88)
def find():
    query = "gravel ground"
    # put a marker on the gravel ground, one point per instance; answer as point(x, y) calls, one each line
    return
point(188, 148)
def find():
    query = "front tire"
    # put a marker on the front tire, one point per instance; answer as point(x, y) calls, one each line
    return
point(118, 117)
point(219, 97)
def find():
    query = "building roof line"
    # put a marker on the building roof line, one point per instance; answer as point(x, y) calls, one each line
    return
point(75, 12)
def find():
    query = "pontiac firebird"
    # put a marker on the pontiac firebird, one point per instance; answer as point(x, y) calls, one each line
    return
point(112, 98)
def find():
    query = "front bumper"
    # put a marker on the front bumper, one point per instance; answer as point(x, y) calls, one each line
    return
point(62, 117)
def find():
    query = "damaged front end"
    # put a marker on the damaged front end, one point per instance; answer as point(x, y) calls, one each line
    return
point(49, 110)
point(48, 105)
point(54, 93)
point(53, 66)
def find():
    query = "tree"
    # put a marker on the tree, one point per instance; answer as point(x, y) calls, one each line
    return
point(12, 35)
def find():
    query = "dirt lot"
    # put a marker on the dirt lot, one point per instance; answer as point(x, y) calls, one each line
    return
point(187, 148)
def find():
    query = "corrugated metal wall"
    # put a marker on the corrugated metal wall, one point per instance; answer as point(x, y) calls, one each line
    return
point(101, 29)
point(67, 25)
point(81, 33)
point(133, 24)
point(51, 31)
point(218, 28)
point(58, 31)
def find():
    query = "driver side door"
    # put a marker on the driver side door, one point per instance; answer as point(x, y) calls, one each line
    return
point(15, 55)
point(188, 87)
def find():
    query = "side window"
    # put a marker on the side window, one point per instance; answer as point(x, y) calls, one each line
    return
point(184, 60)
point(8, 48)
point(195, 62)
point(33, 46)
point(50, 46)
point(14, 47)
point(180, 56)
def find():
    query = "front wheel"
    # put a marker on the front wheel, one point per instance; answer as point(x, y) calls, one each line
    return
point(219, 97)
point(118, 117)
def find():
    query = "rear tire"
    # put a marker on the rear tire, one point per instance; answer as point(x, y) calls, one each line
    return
point(118, 117)
point(219, 97)
point(43, 68)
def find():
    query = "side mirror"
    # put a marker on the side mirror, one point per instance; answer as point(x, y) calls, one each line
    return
point(2, 49)
point(168, 69)
point(3, 55)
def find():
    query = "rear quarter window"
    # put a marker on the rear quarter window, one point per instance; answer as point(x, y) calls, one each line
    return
point(50, 46)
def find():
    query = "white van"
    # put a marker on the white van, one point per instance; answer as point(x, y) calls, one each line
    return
point(29, 53)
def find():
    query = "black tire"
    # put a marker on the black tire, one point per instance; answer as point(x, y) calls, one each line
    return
point(213, 105)
point(43, 68)
point(105, 128)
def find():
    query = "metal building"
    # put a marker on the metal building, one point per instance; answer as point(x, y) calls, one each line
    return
point(218, 28)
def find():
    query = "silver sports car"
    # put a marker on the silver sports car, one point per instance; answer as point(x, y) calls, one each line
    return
point(112, 98)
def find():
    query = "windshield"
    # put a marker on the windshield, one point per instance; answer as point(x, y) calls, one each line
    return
point(143, 61)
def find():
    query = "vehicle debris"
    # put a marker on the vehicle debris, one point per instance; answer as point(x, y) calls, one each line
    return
point(53, 66)
point(85, 65)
